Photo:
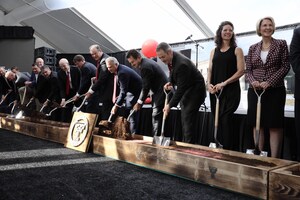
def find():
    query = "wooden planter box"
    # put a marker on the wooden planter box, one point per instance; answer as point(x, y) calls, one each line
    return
point(43, 129)
point(261, 177)
point(235, 171)
point(284, 183)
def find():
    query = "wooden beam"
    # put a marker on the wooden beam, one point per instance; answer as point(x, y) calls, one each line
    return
point(43, 129)
point(235, 171)
point(284, 183)
point(261, 177)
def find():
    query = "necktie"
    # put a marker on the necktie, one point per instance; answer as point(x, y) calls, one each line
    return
point(170, 69)
point(114, 97)
point(67, 84)
point(97, 72)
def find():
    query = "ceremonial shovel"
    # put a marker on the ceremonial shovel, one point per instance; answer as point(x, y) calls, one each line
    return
point(256, 150)
point(217, 144)
point(162, 140)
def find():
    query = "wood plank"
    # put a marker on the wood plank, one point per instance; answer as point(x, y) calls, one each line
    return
point(252, 175)
point(43, 129)
point(284, 183)
point(235, 171)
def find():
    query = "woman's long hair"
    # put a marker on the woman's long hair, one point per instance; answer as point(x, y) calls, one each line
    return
point(218, 37)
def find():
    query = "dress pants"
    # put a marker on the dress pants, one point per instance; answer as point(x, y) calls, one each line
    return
point(190, 104)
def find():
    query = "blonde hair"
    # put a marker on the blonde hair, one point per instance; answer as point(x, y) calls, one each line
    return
point(259, 23)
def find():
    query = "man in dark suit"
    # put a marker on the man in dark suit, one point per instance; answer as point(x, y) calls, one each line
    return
point(53, 93)
point(88, 72)
point(4, 86)
point(21, 78)
point(103, 82)
point(30, 85)
point(190, 90)
point(295, 62)
point(11, 81)
point(40, 91)
point(154, 79)
point(69, 81)
point(5, 91)
point(130, 84)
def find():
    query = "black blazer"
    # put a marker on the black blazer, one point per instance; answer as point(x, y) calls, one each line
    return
point(4, 85)
point(54, 90)
point(75, 79)
point(295, 59)
point(153, 78)
point(128, 81)
point(87, 72)
point(184, 75)
point(105, 82)
point(41, 88)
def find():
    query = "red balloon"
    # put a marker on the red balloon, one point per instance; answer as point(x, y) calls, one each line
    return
point(149, 48)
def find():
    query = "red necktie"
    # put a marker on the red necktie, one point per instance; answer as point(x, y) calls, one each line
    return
point(170, 68)
point(67, 84)
point(114, 97)
point(97, 72)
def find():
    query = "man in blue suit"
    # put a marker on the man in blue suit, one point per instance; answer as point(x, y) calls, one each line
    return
point(130, 84)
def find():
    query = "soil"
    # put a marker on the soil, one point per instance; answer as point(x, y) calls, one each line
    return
point(297, 173)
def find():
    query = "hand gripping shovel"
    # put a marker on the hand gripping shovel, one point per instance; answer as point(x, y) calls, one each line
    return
point(84, 100)
point(217, 144)
point(256, 150)
point(162, 140)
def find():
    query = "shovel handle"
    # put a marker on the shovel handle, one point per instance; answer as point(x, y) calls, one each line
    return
point(110, 116)
point(258, 116)
point(217, 112)
point(24, 94)
point(130, 114)
point(77, 109)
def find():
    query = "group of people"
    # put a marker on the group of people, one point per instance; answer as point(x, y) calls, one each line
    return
point(121, 89)
point(267, 64)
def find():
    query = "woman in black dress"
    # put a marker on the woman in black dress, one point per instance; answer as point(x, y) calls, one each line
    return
point(226, 66)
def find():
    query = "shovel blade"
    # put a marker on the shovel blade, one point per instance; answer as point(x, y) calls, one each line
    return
point(251, 152)
point(215, 146)
point(166, 141)
point(162, 141)
point(20, 115)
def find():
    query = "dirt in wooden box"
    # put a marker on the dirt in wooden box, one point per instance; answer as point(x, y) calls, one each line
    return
point(297, 173)
point(225, 157)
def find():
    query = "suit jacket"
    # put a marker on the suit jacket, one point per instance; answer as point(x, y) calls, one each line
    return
point(153, 78)
point(33, 80)
point(105, 82)
point(295, 59)
point(41, 89)
point(4, 85)
point(54, 90)
point(21, 78)
point(14, 95)
point(128, 81)
point(276, 66)
point(75, 79)
point(87, 72)
point(184, 75)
